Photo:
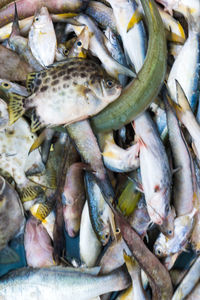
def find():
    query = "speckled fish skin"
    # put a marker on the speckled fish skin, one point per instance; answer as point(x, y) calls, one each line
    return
point(42, 37)
point(70, 284)
point(11, 213)
point(70, 92)
point(116, 158)
point(156, 184)
point(37, 244)
point(183, 226)
point(16, 141)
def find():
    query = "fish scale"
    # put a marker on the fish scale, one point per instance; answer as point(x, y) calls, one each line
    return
point(64, 93)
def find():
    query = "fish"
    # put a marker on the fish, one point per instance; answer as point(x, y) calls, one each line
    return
point(184, 191)
point(116, 158)
point(156, 185)
point(12, 220)
point(28, 9)
point(183, 226)
point(98, 48)
point(73, 198)
point(187, 74)
point(102, 14)
point(189, 281)
point(123, 11)
point(140, 92)
point(100, 213)
point(195, 293)
point(186, 116)
point(42, 38)
point(182, 7)
point(160, 281)
point(7, 87)
point(90, 246)
point(37, 244)
point(16, 141)
point(70, 283)
point(81, 45)
point(87, 93)
point(13, 67)
point(116, 51)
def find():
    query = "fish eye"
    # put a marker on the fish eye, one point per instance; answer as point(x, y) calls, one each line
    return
point(6, 85)
point(106, 236)
point(158, 251)
point(37, 19)
point(169, 232)
point(117, 230)
point(66, 51)
point(109, 83)
point(79, 43)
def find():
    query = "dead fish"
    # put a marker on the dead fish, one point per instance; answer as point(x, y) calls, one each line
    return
point(12, 220)
point(68, 79)
point(42, 38)
point(37, 244)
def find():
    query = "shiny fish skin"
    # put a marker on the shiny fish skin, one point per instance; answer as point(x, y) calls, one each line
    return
point(42, 38)
point(70, 284)
point(156, 184)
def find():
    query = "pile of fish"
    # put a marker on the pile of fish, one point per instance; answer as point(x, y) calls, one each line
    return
point(100, 140)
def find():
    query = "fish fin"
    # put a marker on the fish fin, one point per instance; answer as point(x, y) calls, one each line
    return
point(131, 263)
point(15, 25)
point(15, 107)
point(135, 19)
point(175, 38)
point(125, 71)
point(35, 122)
point(141, 142)
point(38, 142)
point(109, 154)
point(30, 192)
point(30, 81)
point(181, 98)
point(41, 210)
point(176, 170)
point(8, 256)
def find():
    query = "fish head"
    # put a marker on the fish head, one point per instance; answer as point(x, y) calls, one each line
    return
point(105, 88)
point(41, 18)
point(167, 228)
point(5, 87)
point(159, 248)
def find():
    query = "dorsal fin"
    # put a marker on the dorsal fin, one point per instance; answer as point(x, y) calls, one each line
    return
point(30, 81)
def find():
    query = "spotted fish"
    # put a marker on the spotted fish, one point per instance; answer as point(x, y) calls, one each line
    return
point(65, 93)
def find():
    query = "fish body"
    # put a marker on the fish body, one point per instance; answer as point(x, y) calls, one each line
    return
point(66, 93)
point(4, 117)
point(123, 11)
point(70, 283)
point(183, 226)
point(90, 246)
point(155, 171)
point(37, 244)
point(98, 48)
point(116, 158)
point(184, 178)
point(11, 213)
point(74, 198)
point(187, 73)
point(42, 38)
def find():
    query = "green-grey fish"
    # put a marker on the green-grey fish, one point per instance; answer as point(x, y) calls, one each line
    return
point(65, 93)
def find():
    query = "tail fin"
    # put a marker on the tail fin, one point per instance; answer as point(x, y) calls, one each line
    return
point(182, 99)
point(31, 192)
point(15, 107)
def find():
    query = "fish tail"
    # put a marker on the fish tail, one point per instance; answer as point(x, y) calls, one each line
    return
point(31, 192)
point(135, 19)
point(41, 210)
point(38, 142)
point(15, 107)
point(125, 71)
point(131, 263)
